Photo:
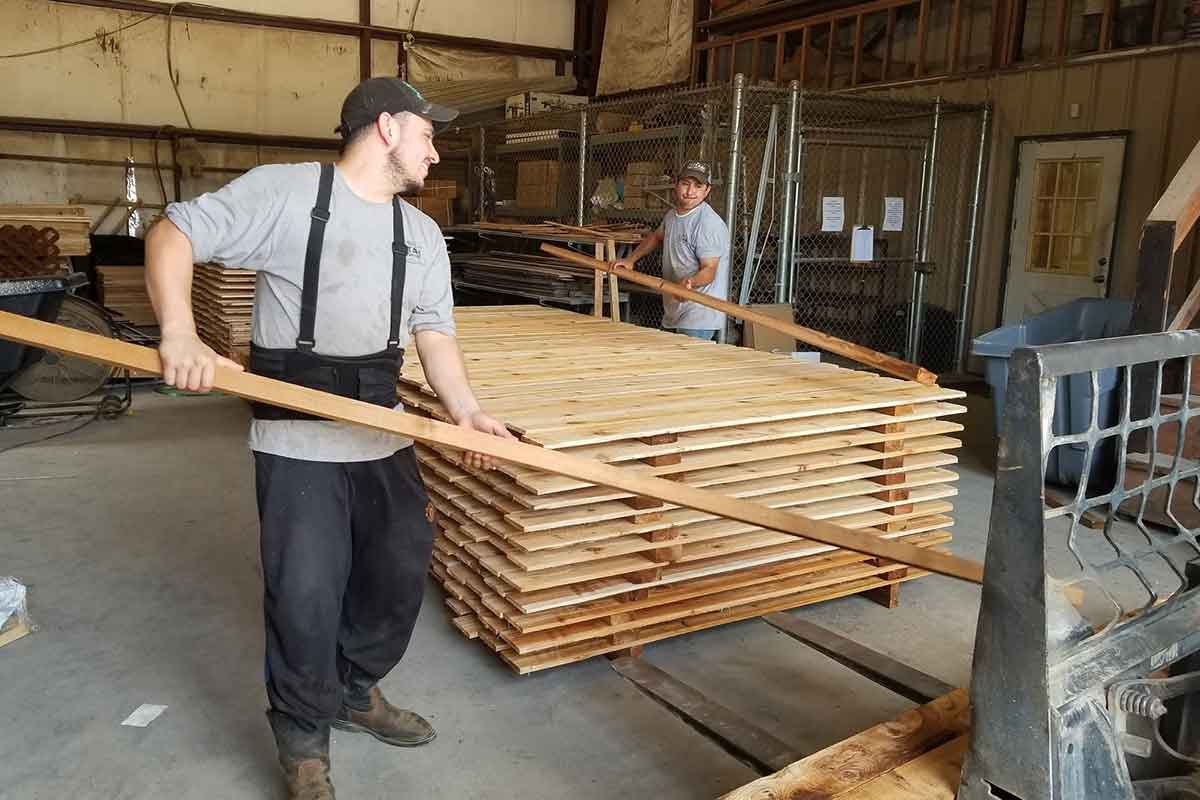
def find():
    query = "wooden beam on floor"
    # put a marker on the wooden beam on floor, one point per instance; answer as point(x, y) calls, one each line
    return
point(889, 673)
point(745, 741)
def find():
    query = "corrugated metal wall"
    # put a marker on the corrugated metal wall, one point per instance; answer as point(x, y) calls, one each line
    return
point(1155, 97)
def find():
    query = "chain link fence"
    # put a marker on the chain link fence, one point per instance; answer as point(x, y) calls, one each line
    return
point(798, 176)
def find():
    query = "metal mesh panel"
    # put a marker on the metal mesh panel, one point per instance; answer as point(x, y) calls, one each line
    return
point(1092, 584)
point(856, 151)
point(776, 155)
point(1112, 566)
point(635, 148)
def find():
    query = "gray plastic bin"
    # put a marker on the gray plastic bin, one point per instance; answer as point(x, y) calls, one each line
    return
point(1079, 320)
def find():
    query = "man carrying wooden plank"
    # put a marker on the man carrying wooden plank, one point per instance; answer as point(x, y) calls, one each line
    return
point(346, 534)
point(695, 242)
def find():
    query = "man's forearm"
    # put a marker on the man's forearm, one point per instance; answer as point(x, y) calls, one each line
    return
point(646, 246)
point(446, 372)
point(169, 277)
point(704, 276)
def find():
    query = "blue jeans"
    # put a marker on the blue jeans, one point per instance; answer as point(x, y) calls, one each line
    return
point(708, 334)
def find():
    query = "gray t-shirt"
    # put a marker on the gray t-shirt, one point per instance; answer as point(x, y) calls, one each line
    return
point(700, 233)
point(260, 222)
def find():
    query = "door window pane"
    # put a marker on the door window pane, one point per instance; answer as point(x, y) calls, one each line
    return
point(1062, 221)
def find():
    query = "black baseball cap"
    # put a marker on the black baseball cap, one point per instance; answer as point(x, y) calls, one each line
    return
point(376, 96)
point(698, 170)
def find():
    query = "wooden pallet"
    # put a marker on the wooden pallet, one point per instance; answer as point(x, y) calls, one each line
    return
point(917, 756)
point(548, 570)
point(223, 305)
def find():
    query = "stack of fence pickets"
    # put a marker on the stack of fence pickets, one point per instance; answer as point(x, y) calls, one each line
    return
point(123, 289)
point(223, 302)
point(72, 223)
point(547, 570)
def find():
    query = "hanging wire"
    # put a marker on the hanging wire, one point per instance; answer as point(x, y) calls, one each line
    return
point(78, 42)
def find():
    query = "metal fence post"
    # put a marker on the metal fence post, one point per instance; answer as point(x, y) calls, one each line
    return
point(769, 165)
point(917, 317)
point(735, 151)
point(731, 174)
point(960, 346)
point(783, 270)
point(482, 177)
point(579, 203)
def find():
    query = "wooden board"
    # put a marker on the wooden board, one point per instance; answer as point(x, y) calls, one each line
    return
point(863, 355)
point(12, 631)
point(255, 387)
point(917, 756)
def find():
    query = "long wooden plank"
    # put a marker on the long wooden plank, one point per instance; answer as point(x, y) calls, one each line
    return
point(863, 355)
point(686, 590)
point(931, 776)
point(654, 633)
point(254, 387)
point(857, 761)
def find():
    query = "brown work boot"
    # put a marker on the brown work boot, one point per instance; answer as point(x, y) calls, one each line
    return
point(374, 715)
point(304, 756)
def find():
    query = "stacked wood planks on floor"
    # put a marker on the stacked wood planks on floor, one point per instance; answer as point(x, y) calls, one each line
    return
point(223, 303)
point(123, 290)
point(547, 570)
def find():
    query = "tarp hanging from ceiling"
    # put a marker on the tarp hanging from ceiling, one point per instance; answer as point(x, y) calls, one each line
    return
point(471, 97)
point(646, 43)
point(428, 64)
point(474, 82)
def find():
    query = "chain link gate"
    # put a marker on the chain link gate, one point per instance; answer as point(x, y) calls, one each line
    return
point(777, 155)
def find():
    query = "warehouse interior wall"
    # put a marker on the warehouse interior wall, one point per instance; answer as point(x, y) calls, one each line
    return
point(1149, 96)
point(231, 77)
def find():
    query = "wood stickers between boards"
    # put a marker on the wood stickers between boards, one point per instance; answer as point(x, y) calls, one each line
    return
point(547, 569)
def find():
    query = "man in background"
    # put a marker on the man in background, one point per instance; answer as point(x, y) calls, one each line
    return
point(695, 245)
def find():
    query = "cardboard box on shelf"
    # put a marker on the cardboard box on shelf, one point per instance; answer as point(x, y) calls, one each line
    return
point(527, 103)
point(437, 200)
point(638, 175)
point(537, 184)
point(612, 122)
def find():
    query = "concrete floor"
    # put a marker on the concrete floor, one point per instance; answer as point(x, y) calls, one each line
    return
point(137, 538)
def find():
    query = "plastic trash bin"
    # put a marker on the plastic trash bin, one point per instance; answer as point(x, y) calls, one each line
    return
point(1079, 320)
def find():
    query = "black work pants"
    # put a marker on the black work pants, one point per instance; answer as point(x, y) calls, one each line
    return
point(345, 548)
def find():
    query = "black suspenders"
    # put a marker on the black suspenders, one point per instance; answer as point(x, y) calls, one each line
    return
point(371, 377)
point(306, 340)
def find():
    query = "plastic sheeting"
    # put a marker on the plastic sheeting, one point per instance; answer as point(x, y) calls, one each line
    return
point(429, 64)
point(474, 82)
point(471, 97)
point(646, 43)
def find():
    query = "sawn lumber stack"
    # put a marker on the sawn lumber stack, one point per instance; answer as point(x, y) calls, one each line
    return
point(223, 302)
point(548, 570)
